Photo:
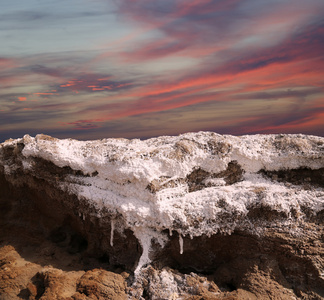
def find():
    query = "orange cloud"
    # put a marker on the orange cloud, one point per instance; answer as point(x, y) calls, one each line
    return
point(44, 94)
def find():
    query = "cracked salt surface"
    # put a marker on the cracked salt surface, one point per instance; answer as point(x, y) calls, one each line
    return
point(125, 168)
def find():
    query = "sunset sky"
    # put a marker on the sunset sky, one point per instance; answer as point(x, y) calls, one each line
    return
point(90, 69)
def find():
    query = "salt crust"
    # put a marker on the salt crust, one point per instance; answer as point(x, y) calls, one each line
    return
point(120, 171)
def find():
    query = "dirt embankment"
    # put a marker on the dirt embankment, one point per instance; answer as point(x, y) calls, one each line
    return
point(44, 255)
point(56, 244)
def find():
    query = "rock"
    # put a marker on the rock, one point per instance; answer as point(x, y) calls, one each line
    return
point(32, 289)
point(22, 280)
point(170, 284)
point(15, 274)
point(101, 284)
point(57, 284)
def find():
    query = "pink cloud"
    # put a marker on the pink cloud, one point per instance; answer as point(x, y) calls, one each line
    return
point(43, 94)
point(7, 63)
point(84, 124)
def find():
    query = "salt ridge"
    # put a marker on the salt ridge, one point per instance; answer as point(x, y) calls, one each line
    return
point(120, 172)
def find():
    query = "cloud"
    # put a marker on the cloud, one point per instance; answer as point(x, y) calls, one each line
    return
point(84, 124)
point(31, 19)
point(53, 72)
point(304, 121)
point(257, 66)
point(7, 63)
point(281, 94)
point(11, 97)
point(91, 83)
point(187, 26)
point(184, 25)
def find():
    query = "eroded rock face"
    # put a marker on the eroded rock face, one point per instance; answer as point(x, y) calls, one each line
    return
point(247, 212)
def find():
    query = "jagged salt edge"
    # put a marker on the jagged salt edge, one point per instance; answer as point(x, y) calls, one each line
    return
point(251, 152)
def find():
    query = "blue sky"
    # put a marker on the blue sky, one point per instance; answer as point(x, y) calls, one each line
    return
point(91, 69)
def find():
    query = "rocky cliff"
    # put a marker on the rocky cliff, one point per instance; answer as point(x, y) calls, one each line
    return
point(197, 216)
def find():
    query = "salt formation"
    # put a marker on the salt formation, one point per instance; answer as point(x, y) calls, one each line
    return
point(197, 184)
point(181, 243)
point(112, 224)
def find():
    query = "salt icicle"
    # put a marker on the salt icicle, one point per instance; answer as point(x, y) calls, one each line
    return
point(144, 238)
point(181, 243)
point(112, 225)
point(170, 231)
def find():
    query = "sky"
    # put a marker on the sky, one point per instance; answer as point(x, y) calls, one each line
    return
point(93, 69)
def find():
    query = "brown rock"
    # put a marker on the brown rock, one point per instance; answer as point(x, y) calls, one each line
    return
point(32, 289)
point(15, 273)
point(102, 284)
